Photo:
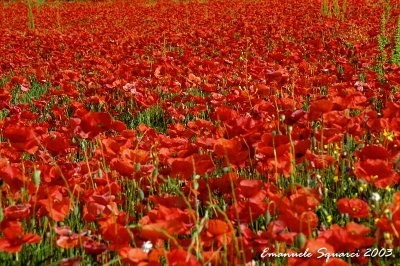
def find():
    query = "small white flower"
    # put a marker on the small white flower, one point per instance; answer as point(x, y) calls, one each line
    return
point(375, 197)
point(147, 246)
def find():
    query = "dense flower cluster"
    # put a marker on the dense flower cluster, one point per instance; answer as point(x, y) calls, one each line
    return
point(193, 132)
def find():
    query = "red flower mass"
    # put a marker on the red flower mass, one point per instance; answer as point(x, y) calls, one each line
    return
point(199, 132)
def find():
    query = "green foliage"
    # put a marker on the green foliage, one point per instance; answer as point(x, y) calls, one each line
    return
point(396, 51)
point(387, 8)
point(153, 116)
point(31, 19)
point(344, 8)
point(382, 42)
point(324, 8)
point(336, 8)
point(35, 92)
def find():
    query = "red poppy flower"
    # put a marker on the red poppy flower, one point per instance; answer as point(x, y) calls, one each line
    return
point(182, 167)
point(5, 97)
point(273, 144)
point(115, 232)
point(56, 205)
point(159, 230)
point(19, 211)
point(73, 261)
point(297, 211)
point(224, 183)
point(93, 247)
point(248, 188)
point(232, 150)
point(376, 171)
point(336, 262)
point(56, 143)
point(118, 126)
point(67, 239)
point(171, 201)
point(68, 242)
point(185, 168)
point(291, 117)
point(94, 123)
point(277, 231)
point(390, 222)
point(319, 107)
point(350, 238)
point(99, 206)
point(22, 138)
point(178, 257)
point(224, 113)
point(300, 150)
point(126, 162)
point(111, 147)
point(313, 247)
point(319, 161)
point(14, 237)
point(133, 256)
point(11, 174)
point(164, 222)
point(217, 230)
point(373, 152)
point(356, 208)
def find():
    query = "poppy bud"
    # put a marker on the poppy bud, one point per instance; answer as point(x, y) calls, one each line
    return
point(300, 240)
point(141, 194)
point(267, 218)
point(195, 185)
point(389, 215)
point(36, 178)
point(100, 173)
point(137, 167)
point(76, 210)
point(226, 169)
point(154, 173)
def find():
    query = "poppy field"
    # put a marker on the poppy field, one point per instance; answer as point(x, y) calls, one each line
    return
point(162, 132)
